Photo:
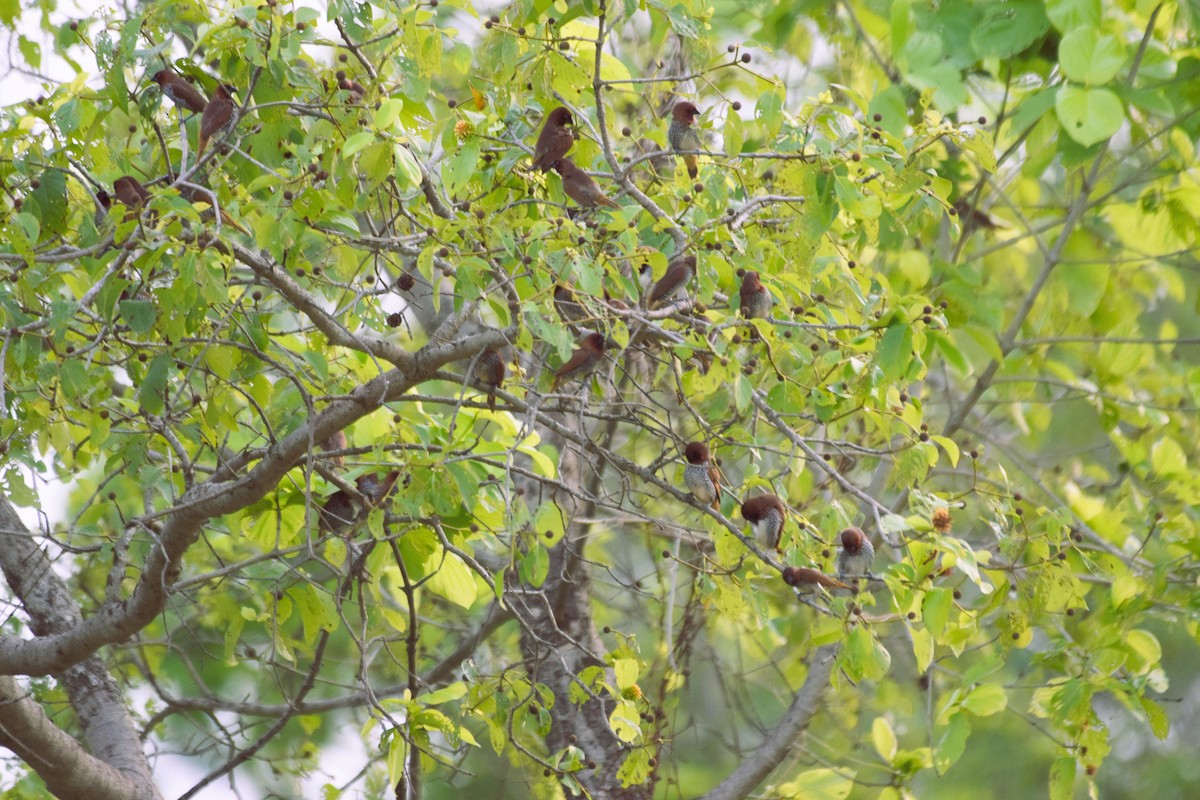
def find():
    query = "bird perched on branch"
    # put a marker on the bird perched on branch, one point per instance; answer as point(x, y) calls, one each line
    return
point(555, 139)
point(128, 192)
point(567, 306)
point(766, 514)
point(702, 477)
point(341, 510)
point(179, 91)
point(580, 187)
point(219, 117)
point(804, 578)
point(857, 554)
point(336, 441)
point(195, 195)
point(489, 371)
point(754, 297)
point(583, 361)
point(682, 135)
point(679, 273)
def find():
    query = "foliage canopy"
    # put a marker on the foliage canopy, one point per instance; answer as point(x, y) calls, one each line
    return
point(977, 223)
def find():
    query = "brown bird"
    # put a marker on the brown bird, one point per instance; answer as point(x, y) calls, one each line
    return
point(857, 555)
point(341, 510)
point(376, 489)
point(103, 204)
point(683, 136)
point(679, 273)
point(177, 89)
point(338, 512)
point(219, 117)
point(336, 441)
point(766, 514)
point(583, 361)
point(489, 371)
point(806, 579)
point(131, 194)
point(580, 187)
point(193, 195)
point(554, 141)
point(356, 90)
point(755, 299)
point(567, 306)
point(702, 477)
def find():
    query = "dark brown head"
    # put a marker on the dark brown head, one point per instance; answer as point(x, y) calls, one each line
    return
point(685, 113)
point(565, 166)
point(163, 76)
point(560, 117)
point(696, 453)
point(750, 282)
point(593, 342)
point(852, 540)
point(224, 90)
point(130, 192)
point(756, 509)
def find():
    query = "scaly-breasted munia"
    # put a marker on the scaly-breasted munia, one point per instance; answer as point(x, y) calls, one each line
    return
point(807, 579)
point(683, 136)
point(702, 477)
point(355, 90)
point(489, 371)
point(755, 299)
point(645, 276)
point(130, 193)
point(567, 306)
point(375, 488)
point(580, 187)
point(679, 273)
point(177, 89)
point(338, 512)
point(336, 441)
point(583, 362)
point(219, 117)
point(555, 139)
point(857, 555)
point(193, 195)
point(766, 514)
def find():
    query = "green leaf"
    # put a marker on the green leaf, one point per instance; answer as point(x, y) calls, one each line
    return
point(317, 611)
point(445, 695)
point(952, 742)
point(935, 609)
point(1089, 115)
point(1160, 723)
point(1088, 57)
point(387, 114)
point(895, 351)
point(454, 581)
point(626, 672)
point(549, 524)
point(408, 171)
point(152, 395)
point(357, 142)
point(923, 648)
point(986, 699)
point(1067, 15)
point(1062, 778)
point(818, 784)
point(734, 135)
point(1168, 459)
point(460, 167)
point(535, 566)
point(884, 738)
point(1009, 28)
